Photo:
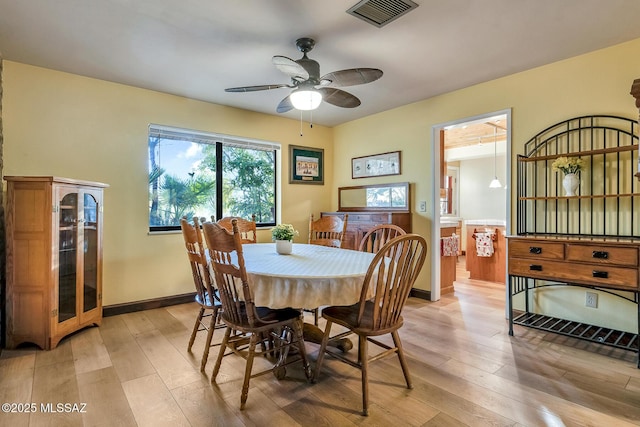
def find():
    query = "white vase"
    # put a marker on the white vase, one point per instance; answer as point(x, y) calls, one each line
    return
point(284, 247)
point(570, 184)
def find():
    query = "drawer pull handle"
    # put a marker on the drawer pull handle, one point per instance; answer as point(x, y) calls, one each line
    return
point(601, 274)
point(601, 254)
point(535, 250)
point(534, 267)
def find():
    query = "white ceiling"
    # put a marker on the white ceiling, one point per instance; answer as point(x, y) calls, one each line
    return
point(197, 48)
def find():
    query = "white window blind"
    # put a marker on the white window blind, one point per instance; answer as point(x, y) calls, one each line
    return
point(167, 132)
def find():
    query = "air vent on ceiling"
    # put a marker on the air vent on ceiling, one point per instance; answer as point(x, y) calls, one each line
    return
point(381, 12)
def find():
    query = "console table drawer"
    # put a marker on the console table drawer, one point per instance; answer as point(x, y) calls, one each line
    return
point(596, 275)
point(534, 268)
point(371, 218)
point(603, 254)
point(603, 276)
point(535, 250)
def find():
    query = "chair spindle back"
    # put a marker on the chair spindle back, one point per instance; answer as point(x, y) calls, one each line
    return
point(327, 230)
point(390, 277)
point(197, 259)
point(376, 237)
point(227, 261)
point(247, 228)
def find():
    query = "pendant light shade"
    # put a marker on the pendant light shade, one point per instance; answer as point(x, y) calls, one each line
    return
point(495, 182)
point(305, 99)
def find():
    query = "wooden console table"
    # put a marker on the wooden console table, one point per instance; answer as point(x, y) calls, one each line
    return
point(601, 264)
point(371, 205)
point(359, 223)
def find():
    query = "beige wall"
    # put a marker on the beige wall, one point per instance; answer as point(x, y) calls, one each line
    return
point(62, 124)
point(594, 83)
point(66, 125)
point(480, 201)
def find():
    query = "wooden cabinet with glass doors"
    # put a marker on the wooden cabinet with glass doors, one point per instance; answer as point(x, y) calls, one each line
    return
point(54, 258)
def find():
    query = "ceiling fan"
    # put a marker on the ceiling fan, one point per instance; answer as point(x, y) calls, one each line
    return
point(309, 89)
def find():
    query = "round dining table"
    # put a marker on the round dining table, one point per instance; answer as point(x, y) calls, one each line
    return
point(311, 276)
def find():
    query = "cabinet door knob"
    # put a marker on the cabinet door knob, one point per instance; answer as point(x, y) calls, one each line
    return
point(600, 274)
point(600, 254)
point(535, 250)
point(535, 267)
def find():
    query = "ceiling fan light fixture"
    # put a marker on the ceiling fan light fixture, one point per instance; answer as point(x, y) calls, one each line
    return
point(305, 99)
point(309, 88)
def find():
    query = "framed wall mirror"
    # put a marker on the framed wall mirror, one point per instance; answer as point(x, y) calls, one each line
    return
point(376, 197)
point(449, 192)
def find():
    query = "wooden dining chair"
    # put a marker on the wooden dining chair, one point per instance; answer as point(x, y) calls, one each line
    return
point(247, 228)
point(206, 295)
point(377, 236)
point(389, 279)
point(327, 230)
point(281, 327)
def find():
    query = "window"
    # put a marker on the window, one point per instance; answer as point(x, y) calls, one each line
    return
point(193, 173)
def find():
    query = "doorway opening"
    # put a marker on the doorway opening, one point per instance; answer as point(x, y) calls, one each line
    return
point(472, 170)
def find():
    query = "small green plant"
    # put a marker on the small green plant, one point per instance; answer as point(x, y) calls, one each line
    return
point(568, 165)
point(283, 232)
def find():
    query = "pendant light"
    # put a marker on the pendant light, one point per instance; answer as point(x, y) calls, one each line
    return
point(495, 182)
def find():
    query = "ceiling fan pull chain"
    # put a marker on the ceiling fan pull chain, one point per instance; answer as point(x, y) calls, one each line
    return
point(300, 122)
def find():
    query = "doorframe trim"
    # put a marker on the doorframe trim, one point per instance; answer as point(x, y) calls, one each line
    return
point(435, 167)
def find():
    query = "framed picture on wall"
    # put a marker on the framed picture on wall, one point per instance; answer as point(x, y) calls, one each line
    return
point(376, 165)
point(306, 165)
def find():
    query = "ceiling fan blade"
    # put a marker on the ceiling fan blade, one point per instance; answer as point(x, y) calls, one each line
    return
point(338, 97)
point(255, 88)
point(351, 77)
point(290, 67)
point(285, 105)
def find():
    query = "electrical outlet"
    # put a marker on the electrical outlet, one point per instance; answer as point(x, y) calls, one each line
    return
point(591, 300)
point(423, 206)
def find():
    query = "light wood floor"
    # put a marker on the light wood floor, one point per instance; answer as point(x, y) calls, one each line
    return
point(135, 370)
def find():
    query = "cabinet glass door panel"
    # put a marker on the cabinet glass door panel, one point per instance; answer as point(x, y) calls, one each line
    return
point(67, 254)
point(90, 249)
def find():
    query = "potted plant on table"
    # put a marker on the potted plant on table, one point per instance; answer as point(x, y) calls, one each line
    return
point(571, 168)
point(283, 235)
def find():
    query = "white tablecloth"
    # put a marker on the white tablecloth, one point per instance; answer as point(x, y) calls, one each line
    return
point(311, 276)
